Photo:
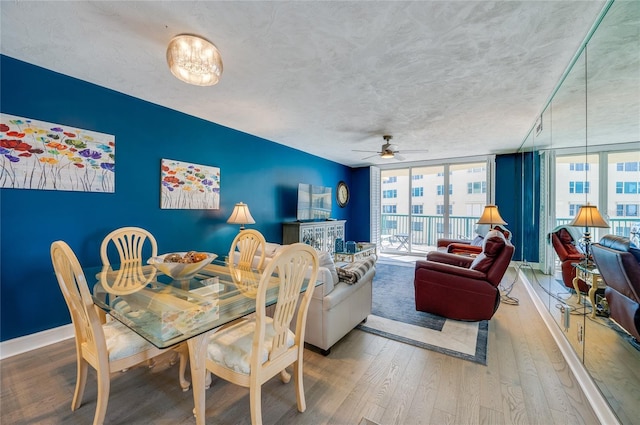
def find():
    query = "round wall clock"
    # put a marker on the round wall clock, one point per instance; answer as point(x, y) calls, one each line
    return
point(342, 194)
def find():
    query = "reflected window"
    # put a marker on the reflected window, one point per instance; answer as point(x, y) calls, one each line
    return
point(393, 193)
point(578, 187)
point(627, 187)
point(627, 210)
point(389, 209)
point(417, 191)
point(417, 209)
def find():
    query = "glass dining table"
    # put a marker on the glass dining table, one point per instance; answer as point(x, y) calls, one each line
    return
point(167, 311)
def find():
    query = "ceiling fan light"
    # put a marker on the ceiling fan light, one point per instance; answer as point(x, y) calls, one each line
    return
point(387, 155)
point(194, 60)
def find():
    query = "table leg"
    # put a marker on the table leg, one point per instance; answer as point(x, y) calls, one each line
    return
point(592, 298)
point(197, 357)
point(577, 288)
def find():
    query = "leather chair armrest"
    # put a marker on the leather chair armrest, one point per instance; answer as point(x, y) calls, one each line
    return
point(458, 248)
point(450, 269)
point(574, 257)
point(453, 259)
point(445, 242)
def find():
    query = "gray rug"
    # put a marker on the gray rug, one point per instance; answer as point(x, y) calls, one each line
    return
point(394, 316)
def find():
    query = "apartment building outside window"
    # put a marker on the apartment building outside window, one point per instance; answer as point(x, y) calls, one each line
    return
point(609, 180)
point(477, 187)
point(578, 187)
point(627, 187)
point(389, 209)
point(627, 210)
point(430, 202)
point(440, 189)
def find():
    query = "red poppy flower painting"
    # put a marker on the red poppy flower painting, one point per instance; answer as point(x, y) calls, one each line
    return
point(189, 186)
point(46, 156)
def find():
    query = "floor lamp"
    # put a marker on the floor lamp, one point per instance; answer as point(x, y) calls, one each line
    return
point(588, 216)
point(491, 216)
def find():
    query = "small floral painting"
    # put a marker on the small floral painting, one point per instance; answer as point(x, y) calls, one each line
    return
point(189, 186)
point(41, 155)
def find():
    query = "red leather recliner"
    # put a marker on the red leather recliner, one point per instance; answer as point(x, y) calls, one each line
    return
point(620, 270)
point(568, 254)
point(461, 287)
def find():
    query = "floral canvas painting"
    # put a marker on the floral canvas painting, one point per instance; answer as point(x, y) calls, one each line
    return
point(41, 155)
point(189, 186)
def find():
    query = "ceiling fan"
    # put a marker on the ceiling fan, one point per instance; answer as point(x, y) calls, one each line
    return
point(388, 151)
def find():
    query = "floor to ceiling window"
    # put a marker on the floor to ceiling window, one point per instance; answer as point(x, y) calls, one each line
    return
point(420, 204)
point(609, 180)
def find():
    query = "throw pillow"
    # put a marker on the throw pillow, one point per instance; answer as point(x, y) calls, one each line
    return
point(270, 249)
point(325, 259)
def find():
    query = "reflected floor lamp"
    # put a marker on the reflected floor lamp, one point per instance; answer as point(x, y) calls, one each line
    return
point(241, 215)
point(588, 216)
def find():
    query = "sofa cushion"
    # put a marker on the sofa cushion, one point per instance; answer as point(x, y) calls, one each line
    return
point(325, 259)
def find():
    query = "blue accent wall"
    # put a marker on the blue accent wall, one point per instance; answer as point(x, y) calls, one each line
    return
point(359, 219)
point(261, 173)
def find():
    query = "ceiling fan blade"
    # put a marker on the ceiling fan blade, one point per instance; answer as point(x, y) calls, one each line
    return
point(360, 150)
point(370, 156)
point(415, 150)
point(399, 157)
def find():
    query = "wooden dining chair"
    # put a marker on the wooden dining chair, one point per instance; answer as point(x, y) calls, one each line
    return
point(250, 352)
point(246, 244)
point(107, 347)
point(130, 243)
point(133, 244)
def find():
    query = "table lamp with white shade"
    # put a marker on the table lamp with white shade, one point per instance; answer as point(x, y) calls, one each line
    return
point(241, 215)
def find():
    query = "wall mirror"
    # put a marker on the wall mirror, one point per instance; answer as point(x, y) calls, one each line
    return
point(591, 126)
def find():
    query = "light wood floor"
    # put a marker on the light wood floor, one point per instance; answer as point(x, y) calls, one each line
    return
point(526, 381)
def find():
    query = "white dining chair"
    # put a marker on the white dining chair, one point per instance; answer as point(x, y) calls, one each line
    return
point(131, 244)
point(250, 352)
point(246, 246)
point(107, 347)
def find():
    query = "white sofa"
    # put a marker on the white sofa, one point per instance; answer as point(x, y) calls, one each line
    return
point(336, 307)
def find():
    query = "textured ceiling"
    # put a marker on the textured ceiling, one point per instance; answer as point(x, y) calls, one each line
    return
point(451, 77)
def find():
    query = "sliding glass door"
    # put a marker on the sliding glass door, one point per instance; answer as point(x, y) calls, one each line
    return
point(422, 204)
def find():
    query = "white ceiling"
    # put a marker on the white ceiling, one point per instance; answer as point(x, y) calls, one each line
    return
point(457, 78)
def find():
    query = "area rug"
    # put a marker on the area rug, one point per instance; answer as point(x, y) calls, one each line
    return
point(394, 316)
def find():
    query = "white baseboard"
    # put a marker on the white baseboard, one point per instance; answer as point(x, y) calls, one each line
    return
point(26, 343)
point(598, 403)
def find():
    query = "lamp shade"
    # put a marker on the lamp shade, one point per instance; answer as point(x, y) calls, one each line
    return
point(194, 60)
point(588, 216)
point(491, 216)
point(241, 215)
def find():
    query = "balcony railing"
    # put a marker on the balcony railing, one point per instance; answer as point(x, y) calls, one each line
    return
point(425, 230)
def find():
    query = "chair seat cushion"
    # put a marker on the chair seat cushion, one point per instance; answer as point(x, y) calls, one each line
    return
point(123, 342)
point(231, 347)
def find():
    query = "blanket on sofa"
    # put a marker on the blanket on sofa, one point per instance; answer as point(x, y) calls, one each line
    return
point(351, 272)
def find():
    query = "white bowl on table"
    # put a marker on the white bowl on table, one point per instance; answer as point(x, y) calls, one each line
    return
point(180, 271)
